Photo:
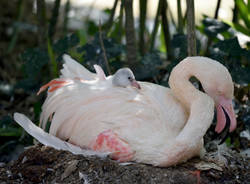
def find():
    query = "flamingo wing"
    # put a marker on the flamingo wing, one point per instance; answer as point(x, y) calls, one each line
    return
point(72, 69)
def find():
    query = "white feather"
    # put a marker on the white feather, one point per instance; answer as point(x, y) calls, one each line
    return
point(100, 73)
point(72, 69)
point(50, 140)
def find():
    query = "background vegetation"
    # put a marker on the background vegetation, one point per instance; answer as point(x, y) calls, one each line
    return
point(35, 34)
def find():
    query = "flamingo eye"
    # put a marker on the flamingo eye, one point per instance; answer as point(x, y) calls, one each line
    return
point(220, 92)
point(130, 78)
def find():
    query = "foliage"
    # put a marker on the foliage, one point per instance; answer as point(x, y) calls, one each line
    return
point(226, 49)
point(36, 59)
point(179, 43)
point(148, 69)
point(234, 57)
point(244, 17)
point(65, 45)
point(213, 27)
point(92, 52)
point(8, 128)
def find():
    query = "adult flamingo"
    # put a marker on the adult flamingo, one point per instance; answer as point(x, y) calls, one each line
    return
point(153, 124)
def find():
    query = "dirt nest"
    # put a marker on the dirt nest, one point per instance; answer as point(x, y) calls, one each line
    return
point(40, 164)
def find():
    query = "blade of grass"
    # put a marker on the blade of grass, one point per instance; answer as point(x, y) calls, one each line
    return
point(42, 22)
point(248, 5)
point(21, 6)
point(143, 13)
point(165, 27)
point(109, 23)
point(172, 19)
point(54, 20)
point(156, 26)
point(239, 27)
point(209, 41)
point(243, 11)
point(235, 18)
point(120, 32)
point(53, 67)
point(180, 17)
point(82, 36)
point(66, 18)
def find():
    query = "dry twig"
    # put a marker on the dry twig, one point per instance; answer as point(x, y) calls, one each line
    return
point(103, 49)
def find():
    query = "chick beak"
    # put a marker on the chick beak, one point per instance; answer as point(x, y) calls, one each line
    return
point(135, 84)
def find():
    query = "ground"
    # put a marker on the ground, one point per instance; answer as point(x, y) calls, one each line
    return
point(40, 164)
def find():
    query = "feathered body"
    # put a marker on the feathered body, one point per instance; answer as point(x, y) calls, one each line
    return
point(152, 120)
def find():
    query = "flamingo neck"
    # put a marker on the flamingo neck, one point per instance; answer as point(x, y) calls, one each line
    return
point(180, 85)
point(199, 105)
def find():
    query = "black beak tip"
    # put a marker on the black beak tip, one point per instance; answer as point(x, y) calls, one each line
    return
point(225, 132)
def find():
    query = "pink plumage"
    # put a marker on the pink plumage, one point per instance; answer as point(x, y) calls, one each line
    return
point(150, 123)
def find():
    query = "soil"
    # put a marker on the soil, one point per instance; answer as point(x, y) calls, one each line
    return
point(40, 164)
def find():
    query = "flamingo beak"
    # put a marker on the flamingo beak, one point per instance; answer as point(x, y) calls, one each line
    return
point(135, 84)
point(226, 120)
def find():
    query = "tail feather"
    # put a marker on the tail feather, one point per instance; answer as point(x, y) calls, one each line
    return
point(99, 72)
point(50, 140)
point(72, 69)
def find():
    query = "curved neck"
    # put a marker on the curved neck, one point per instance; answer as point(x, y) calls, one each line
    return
point(199, 105)
point(179, 82)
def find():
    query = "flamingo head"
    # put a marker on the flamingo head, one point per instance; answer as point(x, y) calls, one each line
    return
point(124, 77)
point(219, 86)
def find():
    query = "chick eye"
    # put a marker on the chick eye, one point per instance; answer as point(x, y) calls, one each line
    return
point(220, 92)
point(130, 78)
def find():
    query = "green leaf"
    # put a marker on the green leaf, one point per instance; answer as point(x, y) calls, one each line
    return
point(107, 11)
point(93, 53)
point(82, 36)
point(37, 58)
point(92, 27)
point(212, 27)
point(148, 69)
point(116, 31)
point(162, 41)
point(248, 5)
point(37, 109)
point(229, 53)
point(241, 75)
point(28, 84)
point(244, 12)
point(65, 44)
point(4, 121)
point(52, 59)
point(226, 35)
point(8, 128)
point(34, 59)
point(229, 47)
point(241, 28)
point(10, 132)
point(200, 28)
point(179, 44)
